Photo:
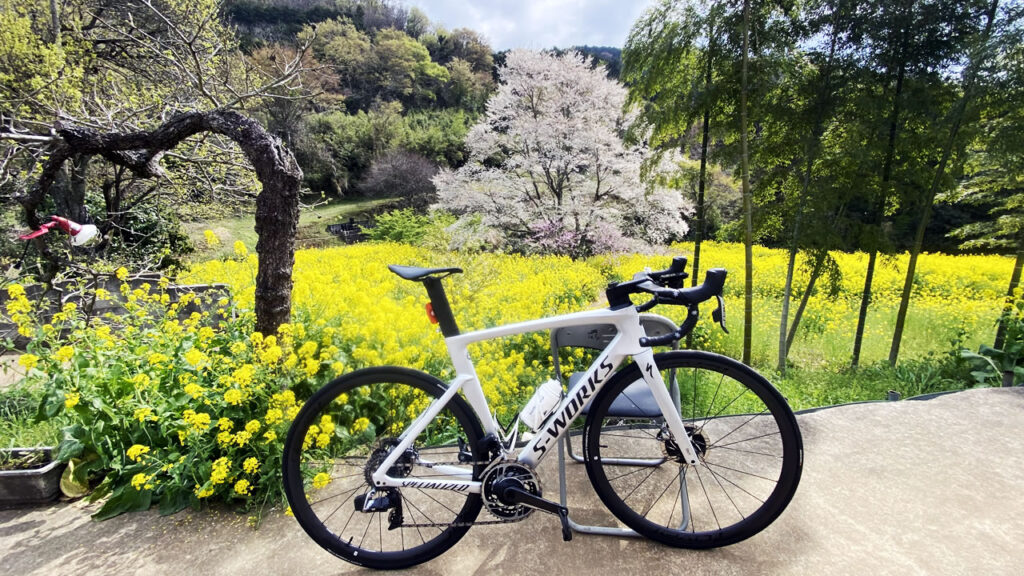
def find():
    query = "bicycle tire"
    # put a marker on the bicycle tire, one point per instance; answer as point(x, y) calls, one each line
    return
point(367, 409)
point(746, 436)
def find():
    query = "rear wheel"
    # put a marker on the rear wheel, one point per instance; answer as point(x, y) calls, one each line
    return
point(344, 432)
point(743, 431)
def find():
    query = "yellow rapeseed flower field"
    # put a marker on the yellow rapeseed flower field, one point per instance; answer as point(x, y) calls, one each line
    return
point(380, 318)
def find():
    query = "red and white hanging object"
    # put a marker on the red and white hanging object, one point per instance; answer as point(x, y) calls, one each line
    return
point(81, 234)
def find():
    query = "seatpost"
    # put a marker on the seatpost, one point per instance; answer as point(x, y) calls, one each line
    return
point(442, 310)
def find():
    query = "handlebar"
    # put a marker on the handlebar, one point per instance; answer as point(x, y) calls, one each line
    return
point(666, 287)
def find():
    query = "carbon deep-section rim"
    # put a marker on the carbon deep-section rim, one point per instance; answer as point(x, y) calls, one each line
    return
point(747, 439)
point(344, 431)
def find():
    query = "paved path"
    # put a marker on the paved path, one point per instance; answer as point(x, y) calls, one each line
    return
point(910, 487)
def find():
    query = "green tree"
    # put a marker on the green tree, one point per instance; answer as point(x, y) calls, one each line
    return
point(956, 119)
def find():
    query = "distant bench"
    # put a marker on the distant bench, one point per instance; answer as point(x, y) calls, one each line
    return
point(351, 231)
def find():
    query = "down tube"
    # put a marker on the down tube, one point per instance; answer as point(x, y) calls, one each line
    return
point(574, 402)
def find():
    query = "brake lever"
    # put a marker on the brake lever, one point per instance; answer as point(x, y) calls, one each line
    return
point(719, 314)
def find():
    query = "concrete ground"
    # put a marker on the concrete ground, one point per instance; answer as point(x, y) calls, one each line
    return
point(929, 487)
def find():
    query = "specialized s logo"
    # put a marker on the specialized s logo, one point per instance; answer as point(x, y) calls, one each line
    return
point(434, 485)
point(573, 407)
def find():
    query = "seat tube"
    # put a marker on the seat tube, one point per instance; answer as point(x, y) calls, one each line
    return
point(442, 310)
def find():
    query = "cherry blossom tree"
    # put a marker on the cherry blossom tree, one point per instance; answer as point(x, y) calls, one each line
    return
point(548, 166)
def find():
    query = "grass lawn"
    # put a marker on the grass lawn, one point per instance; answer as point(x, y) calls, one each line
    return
point(312, 231)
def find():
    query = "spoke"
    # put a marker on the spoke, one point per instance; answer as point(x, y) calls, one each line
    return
point(437, 501)
point(710, 505)
point(693, 412)
point(425, 517)
point(726, 492)
point(658, 499)
point(638, 469)
point(717, 445)
point(413, 518)
point(733, 431)
point(719, 413)
point(639, 484)
point(774, 481)
point(349, 493)
point(713, 398)
point(364, 532)
point(744, 490)
point(727, 447)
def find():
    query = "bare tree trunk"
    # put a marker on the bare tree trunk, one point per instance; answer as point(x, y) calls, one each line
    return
point(55, 22)
point(1014, 282)
point(880, 217)
point(815, 274)
point(786, 293)
point(748, 225)
point(277, 205)
point(940, 171)
point(701, 213)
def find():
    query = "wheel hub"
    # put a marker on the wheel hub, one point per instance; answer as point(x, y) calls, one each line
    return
point(401, 468)
point(671, 448)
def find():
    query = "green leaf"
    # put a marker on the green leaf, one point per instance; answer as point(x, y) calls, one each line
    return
point(124, 499)
point(174, 500)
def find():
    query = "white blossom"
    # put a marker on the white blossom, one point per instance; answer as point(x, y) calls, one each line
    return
point(548, 166)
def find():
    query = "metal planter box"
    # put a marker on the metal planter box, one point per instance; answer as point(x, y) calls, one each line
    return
point(33, 486)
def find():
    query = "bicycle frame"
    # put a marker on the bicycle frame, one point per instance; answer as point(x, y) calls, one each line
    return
point(626, 343)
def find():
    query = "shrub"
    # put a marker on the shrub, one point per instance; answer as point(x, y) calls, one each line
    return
point(401, 174)
point(171, 411)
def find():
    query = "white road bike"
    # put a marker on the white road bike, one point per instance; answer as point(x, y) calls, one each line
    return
point(389, 467)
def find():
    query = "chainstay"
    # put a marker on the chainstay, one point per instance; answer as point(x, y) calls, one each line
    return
point(462, 524)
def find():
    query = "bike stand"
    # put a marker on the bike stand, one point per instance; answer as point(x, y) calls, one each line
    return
point(610, 530)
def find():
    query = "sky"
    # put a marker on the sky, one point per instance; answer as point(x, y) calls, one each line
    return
point(538, 24)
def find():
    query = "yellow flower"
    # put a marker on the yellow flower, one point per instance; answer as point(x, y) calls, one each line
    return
point(156, 359)
point(242, 438)
point(195, 358)
point(321, 480)
point(141, 381)
point(251, 465)
point(288, 511)
point(203, 492)
point(273, 416)
point(233, 396)
point(143, 414)
point(141, 481)
point(64, 353)
point(211, 238)
point(269, 436)
point(16, 291)
point(194, 390)
point(242, 487)
point(102, 294)
point(311, 367)
point(225, 424)
point(252, 426)
point(224, 438)
point(71, 399)
point(221, 467)
point(337, 368)
point(29, 361)
point(240, 250)
point(136, 452)
point(360, 425)
point(121, 273)
point(307, 350)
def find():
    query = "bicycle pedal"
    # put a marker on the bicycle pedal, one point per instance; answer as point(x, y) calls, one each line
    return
point(563, 517)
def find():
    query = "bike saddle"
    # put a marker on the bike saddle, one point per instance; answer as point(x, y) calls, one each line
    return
point(420, 274)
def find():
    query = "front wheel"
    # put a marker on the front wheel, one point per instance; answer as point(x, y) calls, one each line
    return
point(342, 435)
point(744, 433)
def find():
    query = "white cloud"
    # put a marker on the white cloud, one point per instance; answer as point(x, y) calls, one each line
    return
point(539, 24)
